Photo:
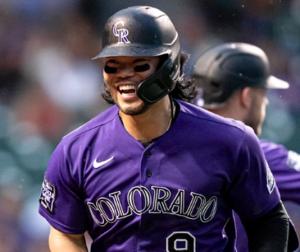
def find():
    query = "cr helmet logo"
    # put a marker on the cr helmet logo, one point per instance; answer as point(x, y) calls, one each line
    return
point(120, 32)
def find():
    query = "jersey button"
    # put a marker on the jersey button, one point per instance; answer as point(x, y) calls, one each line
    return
point(149, 173)
point(148, 154)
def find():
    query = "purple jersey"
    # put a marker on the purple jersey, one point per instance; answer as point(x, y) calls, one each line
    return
point(176, 194)
point(285, 166)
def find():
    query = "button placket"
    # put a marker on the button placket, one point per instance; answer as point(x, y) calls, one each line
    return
point(148, 172)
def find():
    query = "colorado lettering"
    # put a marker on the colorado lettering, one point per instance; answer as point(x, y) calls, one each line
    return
point(158, 200)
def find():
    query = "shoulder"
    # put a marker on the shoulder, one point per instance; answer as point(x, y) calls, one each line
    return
point(210, 121)
point(96, 123)
point(279, 157)
point(84, 134)
point(78, 144)
point(273, 151)
point(219, 135)
point(269, 146)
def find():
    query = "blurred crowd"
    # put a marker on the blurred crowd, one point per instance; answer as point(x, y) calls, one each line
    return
point(49, 85)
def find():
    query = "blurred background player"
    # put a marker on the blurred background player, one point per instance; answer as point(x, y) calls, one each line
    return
point(233, 79)
point(140, 176)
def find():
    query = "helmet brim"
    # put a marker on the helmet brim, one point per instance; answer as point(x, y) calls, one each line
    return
point(276, 83)
point(131, 51)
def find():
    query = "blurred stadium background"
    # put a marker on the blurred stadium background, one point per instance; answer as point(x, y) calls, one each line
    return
point(49, 85)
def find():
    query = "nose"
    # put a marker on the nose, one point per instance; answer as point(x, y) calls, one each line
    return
point(125, 71)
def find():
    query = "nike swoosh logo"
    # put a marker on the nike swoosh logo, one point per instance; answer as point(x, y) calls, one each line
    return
point(97, 164)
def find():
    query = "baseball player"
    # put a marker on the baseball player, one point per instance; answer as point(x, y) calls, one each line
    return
point(233, 79)
point(141, 176)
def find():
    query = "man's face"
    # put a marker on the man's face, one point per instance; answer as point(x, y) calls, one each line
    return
point(257, 111)
point(122, 76)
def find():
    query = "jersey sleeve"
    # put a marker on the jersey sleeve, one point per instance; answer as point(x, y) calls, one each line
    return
point(253, 191)
point(285, 166)
point(60, 201)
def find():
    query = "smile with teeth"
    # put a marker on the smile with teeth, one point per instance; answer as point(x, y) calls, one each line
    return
point(127, 89)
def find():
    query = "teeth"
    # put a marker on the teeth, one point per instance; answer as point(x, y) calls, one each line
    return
point(126, 87)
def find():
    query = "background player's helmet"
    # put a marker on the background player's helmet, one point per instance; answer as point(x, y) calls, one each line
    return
point(145, 31)
point(221, 70)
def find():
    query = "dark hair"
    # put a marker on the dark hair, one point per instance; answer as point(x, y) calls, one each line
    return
point(106, 95)
point(185, 89)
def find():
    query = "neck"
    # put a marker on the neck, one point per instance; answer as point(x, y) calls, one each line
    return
point(152, 123)
point(227, 113)
point(229, 109)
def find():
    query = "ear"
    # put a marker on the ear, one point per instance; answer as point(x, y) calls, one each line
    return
point(246, 97)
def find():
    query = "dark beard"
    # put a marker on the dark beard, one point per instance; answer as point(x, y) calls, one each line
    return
point(254, 124)
point(137, 111)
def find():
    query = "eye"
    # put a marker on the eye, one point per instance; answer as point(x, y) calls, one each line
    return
point(110, 70)
point(142, 68)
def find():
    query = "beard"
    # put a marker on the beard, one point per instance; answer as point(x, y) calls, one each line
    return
point(255, 119)
point(134, 111)
point(128, 110)
point(256, 126)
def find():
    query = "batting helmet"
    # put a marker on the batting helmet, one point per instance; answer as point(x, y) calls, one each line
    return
point(144, 31)
point(225, 68)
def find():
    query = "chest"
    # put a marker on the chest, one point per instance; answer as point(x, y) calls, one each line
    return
point(173, 173)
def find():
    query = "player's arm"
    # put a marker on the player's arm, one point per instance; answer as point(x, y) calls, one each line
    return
point(285, 165)
point(59, 241)
point(256, 199)
point(269, 233)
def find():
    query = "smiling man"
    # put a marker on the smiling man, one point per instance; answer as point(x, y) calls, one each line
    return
point(141, 176)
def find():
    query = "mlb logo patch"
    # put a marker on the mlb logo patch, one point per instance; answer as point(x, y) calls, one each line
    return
point(47, 197)
point(270, 179)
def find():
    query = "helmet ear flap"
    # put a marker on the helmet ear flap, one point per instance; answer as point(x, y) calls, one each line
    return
point(160, 83)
